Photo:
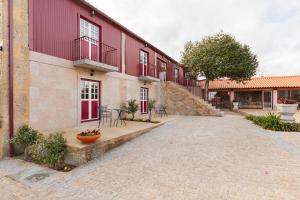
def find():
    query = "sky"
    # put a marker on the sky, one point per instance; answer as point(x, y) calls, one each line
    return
point(270, 27)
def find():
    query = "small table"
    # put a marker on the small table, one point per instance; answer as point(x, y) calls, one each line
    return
point(119, 118)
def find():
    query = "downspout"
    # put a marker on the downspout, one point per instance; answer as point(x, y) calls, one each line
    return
point(10, 77)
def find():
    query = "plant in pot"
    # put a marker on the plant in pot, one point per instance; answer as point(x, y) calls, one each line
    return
point(151, 107)
point(132, 107)
point(287, 108)
point(235, 104)
point(89, 136)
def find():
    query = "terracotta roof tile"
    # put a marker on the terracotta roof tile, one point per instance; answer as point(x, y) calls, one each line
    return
point(257, 82)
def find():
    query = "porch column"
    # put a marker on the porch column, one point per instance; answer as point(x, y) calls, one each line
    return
point(275, 98)
point(231, 95)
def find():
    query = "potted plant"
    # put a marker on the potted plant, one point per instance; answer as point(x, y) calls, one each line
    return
point(235, 105)
point(132, 107)
point(287, 108)
point(89, 136)
point(151, 107)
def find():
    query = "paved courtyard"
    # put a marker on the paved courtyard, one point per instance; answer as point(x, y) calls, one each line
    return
point(190, 158)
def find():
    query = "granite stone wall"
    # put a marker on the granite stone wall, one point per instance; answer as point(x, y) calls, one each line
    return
point(21, 69)
point(180, 101)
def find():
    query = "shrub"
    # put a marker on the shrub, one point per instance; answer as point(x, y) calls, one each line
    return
point(132, 107)
point(151, 107)
point(273, 122)
point(49, 150)
point(25, 136)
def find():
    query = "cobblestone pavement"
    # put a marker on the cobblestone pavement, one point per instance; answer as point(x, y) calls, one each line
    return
point(191, 158)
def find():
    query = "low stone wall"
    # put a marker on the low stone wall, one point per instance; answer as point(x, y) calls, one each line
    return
point(79, 156)
point(180, 101)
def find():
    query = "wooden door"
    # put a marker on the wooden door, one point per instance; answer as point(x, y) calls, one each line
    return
point(90, 100)
point(144, 100)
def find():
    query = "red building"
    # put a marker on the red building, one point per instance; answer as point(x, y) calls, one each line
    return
point(79, 59)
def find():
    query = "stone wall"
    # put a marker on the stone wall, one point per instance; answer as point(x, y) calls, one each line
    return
point(21, 69)
point(55, 91)
point(3, 77)
point(180, 101)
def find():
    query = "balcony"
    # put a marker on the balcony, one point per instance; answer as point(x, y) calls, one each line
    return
point(91, 54)
point(148, 73)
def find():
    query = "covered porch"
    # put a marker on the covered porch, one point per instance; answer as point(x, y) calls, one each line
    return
point(265, 99)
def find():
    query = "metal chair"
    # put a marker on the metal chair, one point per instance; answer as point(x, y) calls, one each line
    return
point(105, 114)
point(162, 111)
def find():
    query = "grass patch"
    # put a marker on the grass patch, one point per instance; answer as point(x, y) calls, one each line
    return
point(273, 122)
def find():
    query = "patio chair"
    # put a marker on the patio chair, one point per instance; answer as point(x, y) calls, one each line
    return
point(105, 114)
point(162, 110)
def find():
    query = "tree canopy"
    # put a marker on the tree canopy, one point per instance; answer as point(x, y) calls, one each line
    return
point(219, 56)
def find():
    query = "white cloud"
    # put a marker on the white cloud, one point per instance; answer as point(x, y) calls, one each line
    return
point(270, 27)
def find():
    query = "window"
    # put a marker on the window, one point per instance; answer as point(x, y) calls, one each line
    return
point(90, 30)
point(143, 57)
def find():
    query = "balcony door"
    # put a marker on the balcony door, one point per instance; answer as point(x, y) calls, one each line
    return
point(144, 100)
point(144, 63)
point(89, 40)
point(176, 75)
point(162, 66)
point(90, 100)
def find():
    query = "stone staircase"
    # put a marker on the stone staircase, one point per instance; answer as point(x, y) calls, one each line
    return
point(180, 101)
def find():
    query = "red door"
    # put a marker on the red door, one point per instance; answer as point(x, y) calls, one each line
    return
point(144, 100)
point(90, 92)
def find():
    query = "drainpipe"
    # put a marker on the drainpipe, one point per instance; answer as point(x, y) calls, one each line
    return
point(10, 77)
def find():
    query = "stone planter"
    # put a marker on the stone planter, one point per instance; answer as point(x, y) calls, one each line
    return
point(235, 105)
point(287, 111)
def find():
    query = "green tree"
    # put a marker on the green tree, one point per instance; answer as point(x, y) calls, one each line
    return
point(219, 56)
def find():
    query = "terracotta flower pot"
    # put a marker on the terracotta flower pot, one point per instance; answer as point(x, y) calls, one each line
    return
point(88, 139)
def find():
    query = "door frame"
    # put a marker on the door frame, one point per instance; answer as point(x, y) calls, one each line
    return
point(147, 100)
point(99, 39)
point(263, 99)
point(145, 67)
point(99, 99)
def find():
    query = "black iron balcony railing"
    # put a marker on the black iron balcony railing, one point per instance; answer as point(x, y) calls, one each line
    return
point(148, 70)
point(88, 48)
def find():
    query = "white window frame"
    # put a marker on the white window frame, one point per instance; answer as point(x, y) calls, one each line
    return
point(143, 61)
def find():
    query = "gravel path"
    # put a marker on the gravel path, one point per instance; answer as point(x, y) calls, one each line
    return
point(191, 158)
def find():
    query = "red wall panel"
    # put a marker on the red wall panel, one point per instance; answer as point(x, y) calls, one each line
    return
point(54, 24)
point(133, 48)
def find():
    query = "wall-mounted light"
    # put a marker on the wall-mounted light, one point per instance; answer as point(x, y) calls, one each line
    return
point(93, 13)
point(92, 72)
point(146, 45)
